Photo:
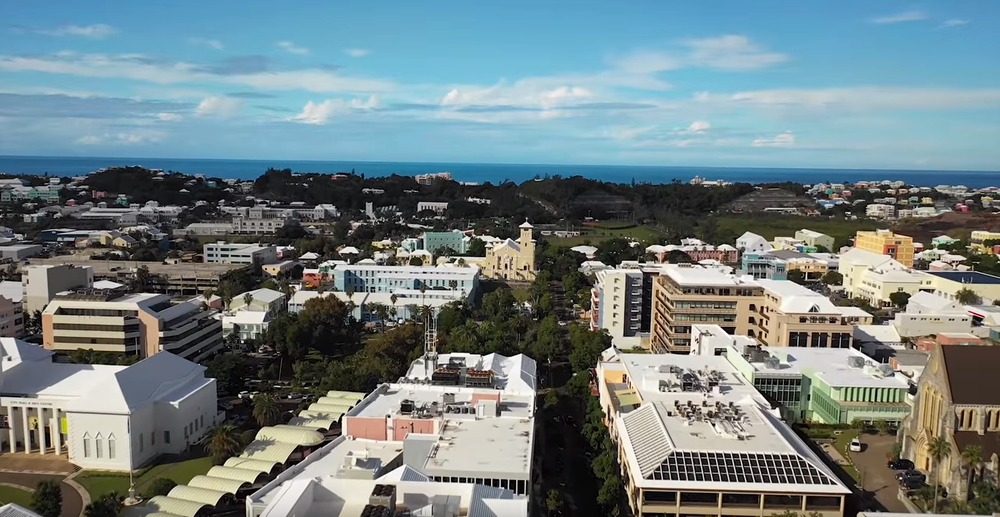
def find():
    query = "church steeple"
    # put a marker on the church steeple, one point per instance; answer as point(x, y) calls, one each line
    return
point(526, 229)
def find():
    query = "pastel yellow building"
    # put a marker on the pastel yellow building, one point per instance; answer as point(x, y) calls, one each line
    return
point(979, 237)
point(884, 242)
point(512, 260)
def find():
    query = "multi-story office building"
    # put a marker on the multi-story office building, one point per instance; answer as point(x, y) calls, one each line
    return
point(884, 242)
point(831, 386)
point(621, 303)
point(873, 277)
point(136, 324)
point(11, 317)
point(41, 283)
point(928, 314)
point(685, 295)
point(694, 437)
point(815, 239)
point(452, 421)
point(229, 253)
point(949, 283)
point(371, 278)
point(788, 314)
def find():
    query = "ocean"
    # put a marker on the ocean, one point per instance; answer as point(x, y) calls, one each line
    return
point(495, 172)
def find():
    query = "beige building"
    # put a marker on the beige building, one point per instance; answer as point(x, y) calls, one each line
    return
point(41, 283)
point(684, 295)
point(694, 437)
point(512, 260)
point(958, 400)
point(979, 238)
point(789, 314)
point(813, 238)
point(812, 269)
point(948, 283)
point(873, 277)
point(140, 324)
point(11, 318)
point(884, 242)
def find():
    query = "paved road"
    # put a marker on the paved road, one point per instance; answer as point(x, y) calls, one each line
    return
point(877, 477)
point(72, 505)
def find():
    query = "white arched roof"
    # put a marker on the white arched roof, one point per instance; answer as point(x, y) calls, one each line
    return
point(338, 401)
point(326, 408)
point(227, 485)
point(314, 423)
point(289, 434)
point(264, 467)
point(182, 507)
point(245, 475)
point(345, 394)
point(322, 415)
point(269, 450)
point(198, 495)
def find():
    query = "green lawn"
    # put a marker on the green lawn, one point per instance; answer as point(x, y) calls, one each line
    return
point(99, 483)
point(9, 494)
point(843, 440)
point(608, 230)
point(769, 226)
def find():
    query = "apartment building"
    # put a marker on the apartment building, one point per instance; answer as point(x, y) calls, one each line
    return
point(694, 437)
point(815, 239)
point(764, 265)
point(372, 278)
point(873, 277)
point(928, 314)
point(41, 283)
point(11, 317)
point(621, 303)
point(140, 324)
point(685, 295)
point(884, 242)
point(949, 283)
point(789, 314)
point(979, 238)
point(229, 253)
point(880, 211)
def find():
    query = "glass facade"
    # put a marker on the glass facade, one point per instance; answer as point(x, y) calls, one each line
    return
point(785, 392)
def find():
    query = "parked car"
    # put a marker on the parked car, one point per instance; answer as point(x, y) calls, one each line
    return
point(856, 445)
point(910, 474)
point(295, 395)
point(900, 464)
point(244, 395)
point(912, 483)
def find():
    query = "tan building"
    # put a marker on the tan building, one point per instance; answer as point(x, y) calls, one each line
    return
point(884, 242)
point(694, 437)
point(140, 324)
point(789, 314)
point(684, 295)
point(11, 318)
point(41, 283)
point(512, 260)
point(812, 269)
point(958, 400)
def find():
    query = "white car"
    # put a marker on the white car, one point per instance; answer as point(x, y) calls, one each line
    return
point(855, 445)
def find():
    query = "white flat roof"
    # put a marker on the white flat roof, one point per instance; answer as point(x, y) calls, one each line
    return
point(831, 365)
point(698, 276)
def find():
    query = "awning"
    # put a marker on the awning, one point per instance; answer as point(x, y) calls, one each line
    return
point(269, 450)
point(290, 434)
point(221, 484)
point(264, 467)
point(182, 507)
point(313, 423)
point(198, 495)
point(322, 415)
point(628, 398)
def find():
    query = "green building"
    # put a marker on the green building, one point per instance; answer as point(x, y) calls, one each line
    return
point(825, 385)
point(434, 241)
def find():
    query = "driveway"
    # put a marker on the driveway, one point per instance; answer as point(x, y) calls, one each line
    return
point(878, 479)
point(72, 505)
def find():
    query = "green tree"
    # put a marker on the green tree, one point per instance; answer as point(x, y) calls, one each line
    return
point(159, 486)
point(265, 409)
point(109, 505)
point(896, 451)
point(416, 261)
point(833, 278)
point(859, 425)
point(247, 300)
point(551, 398)
point(47, 499)
point(553, 502)
point(938, 449)
point(966, 296)
point(223, 442)
point(797, 276)
point(477, 248)
point(899, 299)
point(882, 426)
point(229, 372)
point(972, 456)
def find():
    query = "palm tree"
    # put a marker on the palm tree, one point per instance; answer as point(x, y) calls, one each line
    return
point(247, 300)
point(208, 294)
point(973, 457)
point(223, 441)
point(265, 409)
point(882, 426)
point(859, 425)
point(938, 449)
point(110, 505)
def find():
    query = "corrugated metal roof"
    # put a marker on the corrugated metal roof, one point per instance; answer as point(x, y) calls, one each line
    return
point(181, 507)
point(249, 464)
point(221, 484)
point(198, 495)
point(334, 401)
point(15, 510)
point(313, 423)
point(648, 438)
point(290, 434)
point(345, 394)
point(269, 450)
point(323, 415)
point(244, 475)
point(326, 408)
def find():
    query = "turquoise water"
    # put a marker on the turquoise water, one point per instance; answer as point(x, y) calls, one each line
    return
point(483, 172)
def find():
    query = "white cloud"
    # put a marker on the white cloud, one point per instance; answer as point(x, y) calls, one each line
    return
point(95, 31)
point(123, 138)
point(168, 117)
point(905, 16)
point(786, 139)
point(520, 94)
point(291, 47)
point(626, 133)
point(861, 98)
point(954, 22)
point(696, 127)
point(139, 67)
point(218, 106)
point(321, 112)
point(205, 42)
point(731, 52)
point(357, 52)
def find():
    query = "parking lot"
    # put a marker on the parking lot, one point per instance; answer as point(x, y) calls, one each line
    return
point(878, 479)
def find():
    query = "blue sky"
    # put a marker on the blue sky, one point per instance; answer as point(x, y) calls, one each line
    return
point(854, 84)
